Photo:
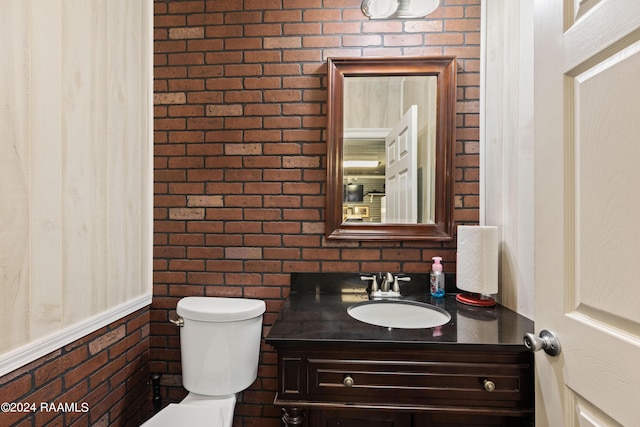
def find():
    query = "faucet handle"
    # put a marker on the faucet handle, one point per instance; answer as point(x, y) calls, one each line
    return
point(396, 285)
point(374, 282)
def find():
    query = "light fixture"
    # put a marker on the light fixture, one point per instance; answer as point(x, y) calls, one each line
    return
point(379, 9)
point(400, 9)
point(360, 163)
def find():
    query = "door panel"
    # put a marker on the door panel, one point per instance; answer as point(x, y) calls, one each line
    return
point(607, 177)
point(587, 192)
point(401, 182)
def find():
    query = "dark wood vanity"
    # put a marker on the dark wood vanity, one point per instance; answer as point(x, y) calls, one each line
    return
point(336, 371)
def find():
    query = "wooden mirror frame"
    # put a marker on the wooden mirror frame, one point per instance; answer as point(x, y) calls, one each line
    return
point(444, 68)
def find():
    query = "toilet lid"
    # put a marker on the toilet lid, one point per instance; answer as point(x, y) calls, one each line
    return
point(184, 414)
point(217, 309)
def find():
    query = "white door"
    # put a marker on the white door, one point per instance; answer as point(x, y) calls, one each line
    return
point(401, 182)
point(587, 210)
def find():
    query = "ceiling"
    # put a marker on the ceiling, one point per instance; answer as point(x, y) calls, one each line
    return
point(365, 149)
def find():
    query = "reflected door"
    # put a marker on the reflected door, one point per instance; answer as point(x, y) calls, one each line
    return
point(587, 233)
point(401, 183)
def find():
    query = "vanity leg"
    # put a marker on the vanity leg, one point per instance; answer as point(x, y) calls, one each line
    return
point(293, 416)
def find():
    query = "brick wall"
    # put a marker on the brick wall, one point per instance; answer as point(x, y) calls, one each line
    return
point(240, 154)
point(104, 374)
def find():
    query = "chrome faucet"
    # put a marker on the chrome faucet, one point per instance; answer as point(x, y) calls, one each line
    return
point(388, 288)
point(387, 282)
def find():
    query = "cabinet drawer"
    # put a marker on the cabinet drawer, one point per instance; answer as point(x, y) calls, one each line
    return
point(448, 383)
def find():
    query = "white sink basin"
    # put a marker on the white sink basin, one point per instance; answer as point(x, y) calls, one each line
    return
point(401, 314)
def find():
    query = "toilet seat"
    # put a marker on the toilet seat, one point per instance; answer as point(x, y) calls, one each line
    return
point(195, 411)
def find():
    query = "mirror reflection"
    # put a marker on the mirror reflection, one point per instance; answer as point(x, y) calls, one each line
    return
point(389, 153)
point(390, 148)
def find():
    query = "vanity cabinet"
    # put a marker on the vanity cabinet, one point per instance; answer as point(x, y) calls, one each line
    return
point(356, 386)
point(334, 370)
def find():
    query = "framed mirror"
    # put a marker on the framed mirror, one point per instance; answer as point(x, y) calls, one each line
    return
point(390, 148)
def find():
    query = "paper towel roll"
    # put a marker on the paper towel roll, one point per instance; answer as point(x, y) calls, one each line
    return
point(477, 261)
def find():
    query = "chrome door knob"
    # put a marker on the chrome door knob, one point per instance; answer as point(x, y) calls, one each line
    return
point(547, 341)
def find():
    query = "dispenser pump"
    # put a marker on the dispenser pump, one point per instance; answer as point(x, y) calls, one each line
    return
point(436, 285)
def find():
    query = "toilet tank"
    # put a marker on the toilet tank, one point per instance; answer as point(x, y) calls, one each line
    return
point(219, 343)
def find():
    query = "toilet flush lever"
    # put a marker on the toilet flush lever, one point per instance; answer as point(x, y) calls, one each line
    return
point(179, 322)
point(547, 341)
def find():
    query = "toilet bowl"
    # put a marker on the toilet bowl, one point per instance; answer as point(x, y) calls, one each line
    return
point(219, 348)
point(204, 412)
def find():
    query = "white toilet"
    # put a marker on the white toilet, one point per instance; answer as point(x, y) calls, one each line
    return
point(219, 346)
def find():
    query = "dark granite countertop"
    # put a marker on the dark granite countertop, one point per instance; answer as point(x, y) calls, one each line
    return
point(316, 314)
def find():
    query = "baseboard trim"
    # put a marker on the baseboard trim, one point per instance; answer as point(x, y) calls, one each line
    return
point(26, 354)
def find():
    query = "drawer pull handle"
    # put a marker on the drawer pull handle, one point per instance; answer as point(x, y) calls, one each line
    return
point(489, 385)
point(348, 381)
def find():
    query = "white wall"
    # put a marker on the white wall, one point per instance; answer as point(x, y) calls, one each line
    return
point(507, 145)
point(75, 169)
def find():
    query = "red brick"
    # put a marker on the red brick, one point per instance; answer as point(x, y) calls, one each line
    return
point(263, 30)
point(281, 69)
point(185, 59)
point(186, 33)
point(282, 175)
point(262, 56)
point(107, 340)
point(462, 25)
point(178, 7)
point(262, 110)
point(302, 28)
point(324, 254)
point(262, 83)
point(263, 266)
point(242, 18)
point(301, 214)
point(264, 240)
point(263, 135)
point(186, 85)
point(283, 16)
point(244, 96)
point(205, 19)
point(17, 388)
point(83, 370)
point(308, 54)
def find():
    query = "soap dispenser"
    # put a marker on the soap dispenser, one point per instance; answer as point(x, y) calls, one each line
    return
point(436, 283)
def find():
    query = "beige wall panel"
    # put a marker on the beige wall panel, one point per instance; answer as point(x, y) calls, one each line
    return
point(506, 145)
point(145, 92)
point(124, 191)
point(84, 143)
point(14, 172)
point(46, 165)
point(75, 169)
point(372, 103)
